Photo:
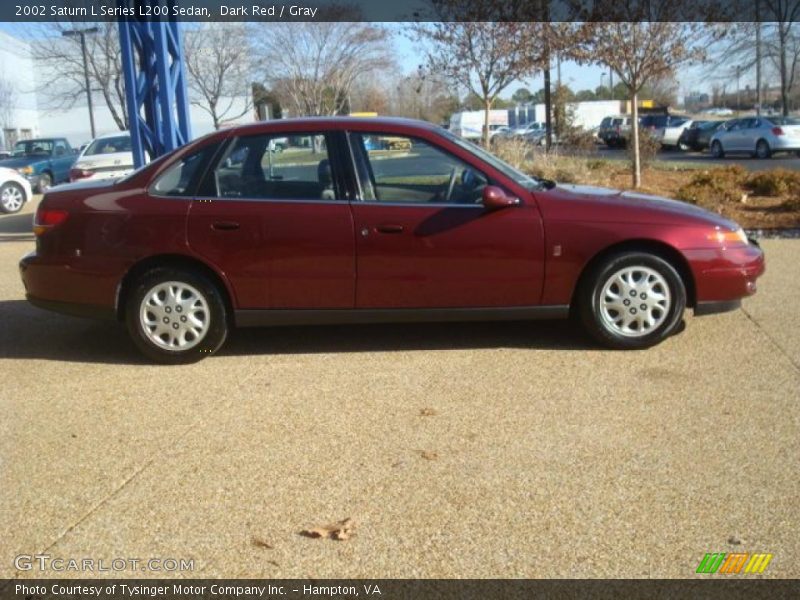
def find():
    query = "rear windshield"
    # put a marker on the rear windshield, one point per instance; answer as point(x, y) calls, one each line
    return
point(109, 145)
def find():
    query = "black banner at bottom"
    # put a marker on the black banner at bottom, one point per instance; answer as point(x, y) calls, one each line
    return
point(393, 589)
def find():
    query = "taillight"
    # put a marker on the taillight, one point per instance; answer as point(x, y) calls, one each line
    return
point(47, 219)
point(76, 173)
point(777, 131)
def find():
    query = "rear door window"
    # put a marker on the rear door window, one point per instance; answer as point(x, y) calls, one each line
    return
point(277, 167)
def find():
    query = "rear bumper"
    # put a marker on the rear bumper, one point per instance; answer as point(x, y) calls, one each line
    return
point(784, 144)
point(63, 288)
point(88, 311)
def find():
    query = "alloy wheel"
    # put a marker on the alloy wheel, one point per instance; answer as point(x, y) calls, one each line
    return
point(12, 198)
point(634, 301)
point(174, 316)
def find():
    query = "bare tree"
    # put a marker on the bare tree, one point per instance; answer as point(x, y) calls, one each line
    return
point(63, 82)
point(423, 95)
point(217, 60)
point(641, 49)
point(469, 46)
point(783, 47)
point(312, 66)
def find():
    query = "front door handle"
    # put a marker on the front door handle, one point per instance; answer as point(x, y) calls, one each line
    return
point(225, 226)
point(389, 229)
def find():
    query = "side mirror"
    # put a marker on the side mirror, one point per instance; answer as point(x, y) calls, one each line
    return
point(495, 198)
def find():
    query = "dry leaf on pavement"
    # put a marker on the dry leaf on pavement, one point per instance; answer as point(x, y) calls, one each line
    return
point(340, 531)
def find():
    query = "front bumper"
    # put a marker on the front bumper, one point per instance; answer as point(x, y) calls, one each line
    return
point(723, 276)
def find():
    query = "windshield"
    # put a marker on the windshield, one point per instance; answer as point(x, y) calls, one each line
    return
point(110, 145)
point(502, 166)
point(33, 148)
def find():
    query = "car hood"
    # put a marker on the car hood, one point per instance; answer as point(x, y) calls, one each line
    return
point(615, 205)
point(21, 161)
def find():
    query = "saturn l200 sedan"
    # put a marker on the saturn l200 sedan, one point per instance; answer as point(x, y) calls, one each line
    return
point(342, 227)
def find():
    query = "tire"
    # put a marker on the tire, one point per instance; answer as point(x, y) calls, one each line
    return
point(716, 150)
point(762, 149)
point(153, 301)
point(683, 146)
point(12, 198)
point(45, 181)
point(606, 289)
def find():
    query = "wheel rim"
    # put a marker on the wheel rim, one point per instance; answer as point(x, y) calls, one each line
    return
point(717, 149)
point(762, 149)
point(174, 316)
point(635, 301)
point(12, 198)
point(44, 183)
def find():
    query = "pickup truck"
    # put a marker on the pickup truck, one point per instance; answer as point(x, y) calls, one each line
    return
point(43, 162)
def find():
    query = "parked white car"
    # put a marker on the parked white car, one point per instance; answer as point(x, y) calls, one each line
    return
point(15, 191)
point(109, 156)
point(530, 128)
point(671, 134)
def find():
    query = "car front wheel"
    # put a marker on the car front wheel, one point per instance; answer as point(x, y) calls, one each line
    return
point(716, 150)
point(176, 316)
point(12, 197)
point(632, 300)
point(45, 182)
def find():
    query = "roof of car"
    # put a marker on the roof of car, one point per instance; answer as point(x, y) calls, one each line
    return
point(338, 123)
point(113, 134)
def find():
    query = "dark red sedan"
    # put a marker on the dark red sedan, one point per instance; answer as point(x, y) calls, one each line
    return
point(346, 220)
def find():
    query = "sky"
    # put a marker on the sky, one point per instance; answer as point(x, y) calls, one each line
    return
point(577, 77)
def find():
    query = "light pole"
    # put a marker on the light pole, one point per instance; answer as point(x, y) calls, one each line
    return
point(738, 95)
point(82, 34)
point(602, 77)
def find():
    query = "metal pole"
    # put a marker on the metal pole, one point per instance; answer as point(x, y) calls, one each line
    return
point(86, 82)
point(758, 58)
point(738, 95)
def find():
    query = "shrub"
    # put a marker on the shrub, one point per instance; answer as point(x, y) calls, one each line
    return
point(710, 189)
point(515, 151)
point(648, 147)
point(777, 182)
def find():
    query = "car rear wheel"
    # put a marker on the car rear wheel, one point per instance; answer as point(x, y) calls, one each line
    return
point(12, 197)
point(176, 316)
point(632, 300)
point(762, 149)
point(716, 150)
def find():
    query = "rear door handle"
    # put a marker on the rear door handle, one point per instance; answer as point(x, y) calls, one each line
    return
point(225, 226)
point(389, 229)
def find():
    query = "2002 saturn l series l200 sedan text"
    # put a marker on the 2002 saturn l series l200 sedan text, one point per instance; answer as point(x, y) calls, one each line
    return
point(347, 220)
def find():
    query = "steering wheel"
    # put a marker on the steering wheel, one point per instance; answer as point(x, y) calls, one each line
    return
point(451, 185)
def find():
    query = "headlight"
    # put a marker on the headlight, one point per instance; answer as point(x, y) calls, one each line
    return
point(727, 237)
point(25, 170)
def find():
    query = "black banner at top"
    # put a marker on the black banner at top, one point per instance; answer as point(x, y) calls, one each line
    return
point(400, 10)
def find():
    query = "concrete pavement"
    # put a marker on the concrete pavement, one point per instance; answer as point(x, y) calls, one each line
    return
point(543, 456)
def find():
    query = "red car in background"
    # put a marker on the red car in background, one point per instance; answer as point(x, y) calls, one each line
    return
point(339, 227)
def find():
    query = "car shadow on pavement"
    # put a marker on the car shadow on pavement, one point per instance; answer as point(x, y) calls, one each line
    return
point(549, 335)
point(29, 332)
point(16, 227)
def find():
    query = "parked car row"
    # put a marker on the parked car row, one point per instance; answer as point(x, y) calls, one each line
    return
point(757, 136)
point(35, 165)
